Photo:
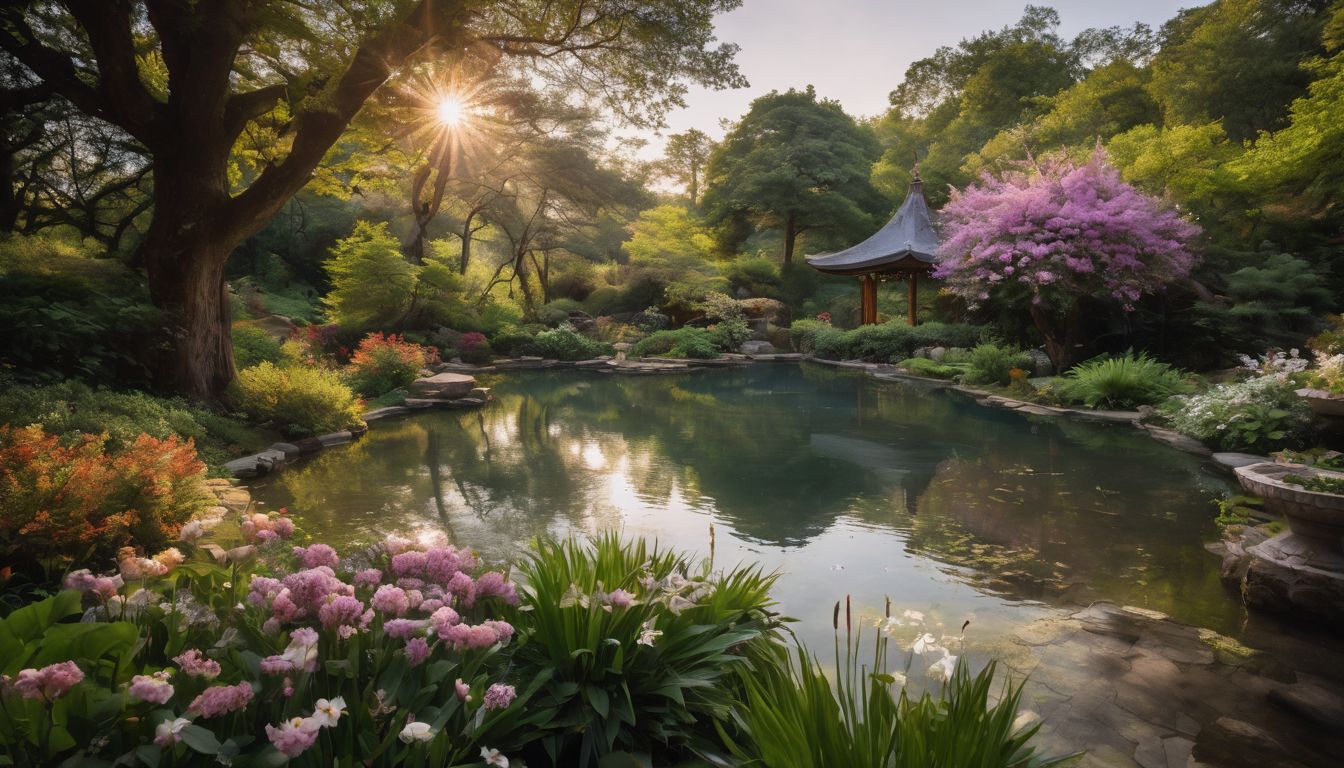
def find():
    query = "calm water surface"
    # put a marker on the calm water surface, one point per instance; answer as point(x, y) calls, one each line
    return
point(846, 484)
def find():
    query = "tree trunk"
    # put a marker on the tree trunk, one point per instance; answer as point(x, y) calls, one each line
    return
point(790, 235)
point(1061, 334)
point(467, 232)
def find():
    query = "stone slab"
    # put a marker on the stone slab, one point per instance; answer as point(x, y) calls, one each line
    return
point(335, 438)
point(446, 384)
point(383, 413)
point(289, 449)
point(1290, 574)
point(1234, 460)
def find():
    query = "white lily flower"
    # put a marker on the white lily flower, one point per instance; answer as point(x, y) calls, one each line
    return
point(493, 757)
point(923, 644)
point(942, 669)
point(328, 713)
point(416, 731)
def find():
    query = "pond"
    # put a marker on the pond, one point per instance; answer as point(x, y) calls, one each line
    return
point(846, 484)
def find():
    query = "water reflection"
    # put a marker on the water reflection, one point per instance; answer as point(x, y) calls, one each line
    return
point(846, 483)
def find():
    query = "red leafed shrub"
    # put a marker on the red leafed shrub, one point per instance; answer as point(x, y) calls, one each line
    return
point(473, 348)
point(383, 363)
point(67, 501)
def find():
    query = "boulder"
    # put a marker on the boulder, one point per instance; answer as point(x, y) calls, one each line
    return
point(1040, 363)
point(257, 464)
point(757, 347)
point(335, 438)
point(444, 385)
point(937, 354)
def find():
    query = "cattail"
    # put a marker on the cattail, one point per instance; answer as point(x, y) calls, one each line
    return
point(888, 611)
point(835, 617)
point(849, 625)
point(964, 626)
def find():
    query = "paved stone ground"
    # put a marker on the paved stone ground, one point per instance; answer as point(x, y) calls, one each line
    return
point(1133, 688)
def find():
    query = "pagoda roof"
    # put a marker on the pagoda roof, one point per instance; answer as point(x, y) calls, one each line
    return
point(908, 243)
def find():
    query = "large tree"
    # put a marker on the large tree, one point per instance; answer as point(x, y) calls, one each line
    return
point(186, 80)
point(684, 159)
point(794, 163)
point(1047, 241)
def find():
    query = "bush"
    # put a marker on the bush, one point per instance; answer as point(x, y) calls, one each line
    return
point(73, 409)
point(566, 344)
point(384, 363)
point(696, 343)
point(72, 501)
point(300, 401)
point(512, 340)
point(253, 345)
point(729, 335)
point(922, 366)
point(641, 642)
point(371, 282)
point(993, 364)
point(1123, 382)
point(1257, 415)
point(474, 348)
point(803, 333)
point(754, 276)
point(883, 343)
point(721, 306)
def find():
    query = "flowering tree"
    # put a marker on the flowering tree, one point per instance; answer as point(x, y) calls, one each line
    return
point(1064, 232)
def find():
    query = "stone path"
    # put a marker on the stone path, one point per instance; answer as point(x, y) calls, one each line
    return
point(1133, 688)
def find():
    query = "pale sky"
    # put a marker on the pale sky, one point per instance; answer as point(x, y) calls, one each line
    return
point(856, 51)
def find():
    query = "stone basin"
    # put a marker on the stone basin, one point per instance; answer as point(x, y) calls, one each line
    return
point(1314, 514)
point(1323, 403)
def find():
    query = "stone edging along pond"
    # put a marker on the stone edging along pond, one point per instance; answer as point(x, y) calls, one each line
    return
point(459, 393)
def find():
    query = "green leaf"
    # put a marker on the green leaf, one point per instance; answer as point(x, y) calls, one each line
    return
point(599, 700)
point(200, 739)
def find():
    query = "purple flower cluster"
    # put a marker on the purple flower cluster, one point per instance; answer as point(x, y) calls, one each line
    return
point(1065, 232)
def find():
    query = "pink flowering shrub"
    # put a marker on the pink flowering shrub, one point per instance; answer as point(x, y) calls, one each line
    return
point(1044, 240)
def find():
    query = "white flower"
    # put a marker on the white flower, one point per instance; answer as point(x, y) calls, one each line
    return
point(573, 597)
point(328, 713)
point(648, 634)
point(923, 644)
point(493, 757)
point(888, 625)
point(898, 679)
point(166, 733)
point(416, 731)
point(942, 668)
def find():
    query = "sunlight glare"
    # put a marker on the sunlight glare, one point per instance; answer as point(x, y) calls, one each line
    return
point(450, 111)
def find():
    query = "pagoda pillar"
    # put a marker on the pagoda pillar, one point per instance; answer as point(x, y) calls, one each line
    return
point(868, 295)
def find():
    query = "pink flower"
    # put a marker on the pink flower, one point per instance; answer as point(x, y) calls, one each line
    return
point(390, 600)
point(408, 564)
point(395, 545)
point(463, 588)
point(317, 554)
point(283, 527)
point(153, 688)
point(442, 619)
point(463, 690)
point(403, 629)
point(503, 630)
point(499, 696)
point(493, 584)
point(341, 610)
point(267, 535)
point(619, 598)
point(221, 700)
point(107, 586)
point(81, 580)
point(48, 683)
point(276, 665)
point(441, 564)
point(294, 736)
point(417, 650)
point(195, 664)
point(368, 577)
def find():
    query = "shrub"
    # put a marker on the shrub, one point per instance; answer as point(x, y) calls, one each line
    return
point(753, 275)
point(512, 340)
point(923, 366)
point(300, 401)
point(993, 364)
point(642, 644)
point(728, 335)
point(371, 282)
point(1258, 415)
point(565, 343)
point(474, 348)
point(253, 345)
point(696, 343)
point(1122, 382)
point(383, 363)
point(81, 500)
point(650, 320)
point(802, 334)
point(884, 343)
point(721, 306)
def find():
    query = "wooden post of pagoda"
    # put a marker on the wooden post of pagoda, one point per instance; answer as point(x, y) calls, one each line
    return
point(868, 300)
point(912, 298)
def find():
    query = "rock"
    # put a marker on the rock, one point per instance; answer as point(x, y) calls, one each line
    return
point(1233, 742)
point(920, 352)
point(383, 413)
point(418, 403)
point(289, 449)
point(1040, 363)
point(257, 464)
point(244, 467)
point(445, 385)
point(937, 354)
point(1239, 459)
point(480, 393)
point(335, 438)
point(1284, 577)
point(1312, 702)
point(757, 348)
point(308, 445)
point(1178, 441)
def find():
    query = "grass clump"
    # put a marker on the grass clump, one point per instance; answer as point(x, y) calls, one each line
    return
point(298, 400)
point(923, 366)
point(695, 343)
point(1122, 382)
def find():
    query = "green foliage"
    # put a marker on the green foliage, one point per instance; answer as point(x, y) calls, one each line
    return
point(252, 345)
point(302, 400)
point(565, 343)
point(671, 234)
point(753, 275)
point(1317, 483)
point(883, 342)
point(1122, 382)
point(1276, 298)
point(695, 343)
point(993, 364)
point(793, 163)
point(1236, 511)
point(721, 306)
point(802, 333)
point(729, 335)
point(1258, 415)
point(923, 366)
point(648, 677)
point(383, 363)
point(371, 282)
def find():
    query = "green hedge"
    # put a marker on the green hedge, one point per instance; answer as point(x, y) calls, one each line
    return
point(885, 343)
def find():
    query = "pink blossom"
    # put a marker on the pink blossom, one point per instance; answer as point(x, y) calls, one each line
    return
point(194, 663)
point(311, 588)
point(442, 619)
point(341, 610)
point(499, 696)
point(463, 588)
point(417, 650)
point(317, 554)
point(48, 683)
point(276, 665)
point(368, 577)
point(221, 700)
point(81, 580)
point(267, 535)
point(390, 600)
point(153, 688)
point(346, 631)
point(283, 527)
point(409, 564)
point(294, 736)
point(403, 629)
point(107, 586)
point(493, 584)
point(463, 690)
point(619, 598)
point(503, 630)
point(395, 545)
point(441, 564)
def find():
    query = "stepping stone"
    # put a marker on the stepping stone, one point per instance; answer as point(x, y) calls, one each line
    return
point(335, 438)
point(445, 385)
point(383, 413)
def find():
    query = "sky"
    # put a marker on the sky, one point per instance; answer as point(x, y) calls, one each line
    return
point(856, 51)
